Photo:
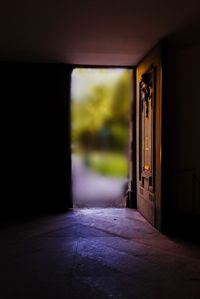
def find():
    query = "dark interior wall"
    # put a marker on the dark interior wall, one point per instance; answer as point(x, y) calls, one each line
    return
point(35, 138)
point(187, 162)
point(182, 134)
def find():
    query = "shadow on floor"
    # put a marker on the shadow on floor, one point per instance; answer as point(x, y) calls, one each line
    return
point(98, 254)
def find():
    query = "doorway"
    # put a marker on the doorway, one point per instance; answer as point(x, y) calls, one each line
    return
point(101, 100)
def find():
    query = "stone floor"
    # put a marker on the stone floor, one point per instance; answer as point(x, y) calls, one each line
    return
point(96, 254)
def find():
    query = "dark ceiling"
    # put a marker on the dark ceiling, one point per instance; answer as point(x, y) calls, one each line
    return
point(89, 31)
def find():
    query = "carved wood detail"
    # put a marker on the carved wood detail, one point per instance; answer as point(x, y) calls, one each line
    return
point(147, 93)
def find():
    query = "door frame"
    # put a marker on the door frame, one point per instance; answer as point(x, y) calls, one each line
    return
point(131, 192)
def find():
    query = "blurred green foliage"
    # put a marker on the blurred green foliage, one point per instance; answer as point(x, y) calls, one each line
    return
point(108, 164)
point(100, 119)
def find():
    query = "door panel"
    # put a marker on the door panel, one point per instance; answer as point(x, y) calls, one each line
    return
point(148, 105)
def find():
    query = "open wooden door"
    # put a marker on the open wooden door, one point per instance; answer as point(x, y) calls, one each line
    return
point(148, 128)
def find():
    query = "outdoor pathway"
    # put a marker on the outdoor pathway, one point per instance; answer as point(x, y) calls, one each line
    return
point(91, 190)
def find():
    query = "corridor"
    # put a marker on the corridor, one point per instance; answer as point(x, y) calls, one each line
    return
point(96, 254)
